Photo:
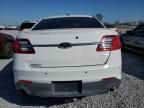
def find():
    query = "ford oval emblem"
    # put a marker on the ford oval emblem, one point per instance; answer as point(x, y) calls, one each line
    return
point(65, 45)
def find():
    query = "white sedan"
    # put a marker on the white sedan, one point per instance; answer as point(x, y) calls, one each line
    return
point(66, 56)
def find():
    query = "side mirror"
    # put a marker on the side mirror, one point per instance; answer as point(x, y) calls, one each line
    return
point(130, 32)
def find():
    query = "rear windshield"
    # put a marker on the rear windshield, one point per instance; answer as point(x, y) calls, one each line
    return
point(68, 22)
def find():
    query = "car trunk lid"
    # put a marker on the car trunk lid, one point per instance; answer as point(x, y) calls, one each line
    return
point(66, 48)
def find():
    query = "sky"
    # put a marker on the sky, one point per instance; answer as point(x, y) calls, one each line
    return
point(13, 12)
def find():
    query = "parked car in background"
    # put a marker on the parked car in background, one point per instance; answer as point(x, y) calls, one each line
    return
point(66, 56)
point(10, 27)
point(134, 40)
point(26, 25)
point(110, 27)
point(2, 27)
point(6, 45)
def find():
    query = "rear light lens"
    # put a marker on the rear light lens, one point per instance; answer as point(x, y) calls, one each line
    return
point(25, 81)
point(110, 78)
point(109, 43)
point(23, 46)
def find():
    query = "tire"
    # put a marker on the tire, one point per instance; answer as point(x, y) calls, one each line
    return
point(8, 50)
point(23, 93)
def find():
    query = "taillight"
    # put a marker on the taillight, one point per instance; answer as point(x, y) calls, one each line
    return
point(109, 43)
point(25, 81)
point(23, 46)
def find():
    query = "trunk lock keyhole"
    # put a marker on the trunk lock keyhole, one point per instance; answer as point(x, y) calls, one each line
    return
point(85, 72)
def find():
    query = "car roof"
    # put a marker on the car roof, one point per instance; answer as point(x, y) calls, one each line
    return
point(62, 16)
point(139, 26)
point(3, 34)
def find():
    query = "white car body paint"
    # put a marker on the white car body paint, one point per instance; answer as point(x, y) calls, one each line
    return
point(78, 63)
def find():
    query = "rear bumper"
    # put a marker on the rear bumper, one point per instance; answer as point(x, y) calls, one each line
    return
point(84, 88)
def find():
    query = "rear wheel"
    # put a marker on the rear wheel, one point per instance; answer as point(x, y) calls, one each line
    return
point(8, 50)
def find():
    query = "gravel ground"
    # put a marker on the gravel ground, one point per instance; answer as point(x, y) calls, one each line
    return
point(130, 94)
